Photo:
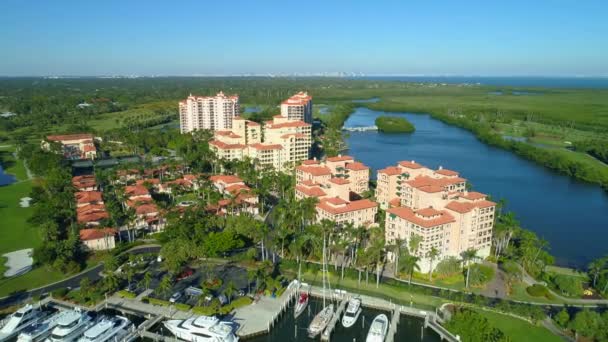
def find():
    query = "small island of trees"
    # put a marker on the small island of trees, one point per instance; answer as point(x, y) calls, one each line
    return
point(393, 124)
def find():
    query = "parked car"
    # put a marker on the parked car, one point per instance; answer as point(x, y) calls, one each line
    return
point(175, 297)
point(187, 272)
point(223, 300)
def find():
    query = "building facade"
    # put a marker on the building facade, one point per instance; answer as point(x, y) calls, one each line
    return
point(73, 146)
point(435, 205)
point(208, 112)
point(298, 107)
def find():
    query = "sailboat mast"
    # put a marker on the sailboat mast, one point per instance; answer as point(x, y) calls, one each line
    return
point(323, 270)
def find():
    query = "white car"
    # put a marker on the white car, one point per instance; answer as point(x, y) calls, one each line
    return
point(175, 297)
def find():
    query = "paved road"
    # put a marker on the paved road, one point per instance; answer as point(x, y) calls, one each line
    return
point(73, 282)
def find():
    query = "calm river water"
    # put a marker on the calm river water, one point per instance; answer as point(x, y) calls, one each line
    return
point(571, 215)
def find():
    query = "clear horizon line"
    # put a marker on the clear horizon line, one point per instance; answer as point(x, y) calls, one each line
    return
point(307, 74)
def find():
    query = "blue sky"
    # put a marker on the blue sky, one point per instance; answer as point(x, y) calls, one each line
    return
point(539, 37)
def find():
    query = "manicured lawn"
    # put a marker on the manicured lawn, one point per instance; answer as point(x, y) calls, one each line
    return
point(519, 330)
point(31, 280)
point(15, 232)
point(565, 271)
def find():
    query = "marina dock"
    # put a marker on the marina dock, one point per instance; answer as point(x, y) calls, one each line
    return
point(334, 320)
point(392, 329)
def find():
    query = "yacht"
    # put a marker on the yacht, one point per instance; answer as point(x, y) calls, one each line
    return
point(301, 304)
point(378, 329)
point(18, 321)
point(320, 321)
point(202, 329)
point(42, 329)
point(352, 312)
point(70, 327)
point(108, 329)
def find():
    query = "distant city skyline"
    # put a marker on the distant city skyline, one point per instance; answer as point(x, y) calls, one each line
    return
point(316, 38)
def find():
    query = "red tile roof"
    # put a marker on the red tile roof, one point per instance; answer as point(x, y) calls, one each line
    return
point(227, 134)
point(225, 146)
point(153, 181)
point(338, 206)
point(391, 171)
point(148, 208)
point(136, 190)
point(85, 181)
point(234, 188)
point(310, 162)
point(139, 201)
point(95, 234)
point(314, 170)
point(423, 219)
point(340, 158)
point(473, 195)
point(92, 217)
point(395, 202)
point(259, 146)
point(465, 207)
point(64, 137)
point(313, 191)
point(431, 184)
point(410, 164)
point(295, 123)
point(89, 148)
point(339, 181)
point(88, 197)
point(446, 172)
point(90, 208)
point(228, 179)
point(356, 166)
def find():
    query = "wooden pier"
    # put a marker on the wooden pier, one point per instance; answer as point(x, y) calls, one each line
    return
point(392, 329)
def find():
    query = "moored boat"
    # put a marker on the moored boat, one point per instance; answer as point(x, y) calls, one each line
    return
point(71, 326)
point(378, 329)
point(301, 304)
point(353, 310)
point(202, 329)
point(108, 328)
point(42, 329)
point(320, 321)
point(18, 321)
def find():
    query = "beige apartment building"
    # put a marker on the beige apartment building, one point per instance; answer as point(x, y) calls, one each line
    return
point(73, 146)
point(360, 212)
point(435, 205)
point(284, 142)
point(298, 107)
point(335, 177)
point(208, 112)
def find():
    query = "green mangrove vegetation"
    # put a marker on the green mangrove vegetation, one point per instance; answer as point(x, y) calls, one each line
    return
point(392, 124)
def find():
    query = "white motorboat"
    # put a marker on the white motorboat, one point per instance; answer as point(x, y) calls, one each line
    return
point(18, 321)
point(353, 310)
point(42, 329)
point(71, 326)
point(378, 329)
point(301, 304)
point(107, 329)
point(202, 329)
point(320, 321)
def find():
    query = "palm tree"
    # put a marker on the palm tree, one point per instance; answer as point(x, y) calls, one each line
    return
point(595, 268)
point(414, 243)
point(409, 265)
point(146, 280)
point(396, 249)
point(164, 287)
point(230, 290)
point(111, 282)
point(468, 256)
point(432, 254)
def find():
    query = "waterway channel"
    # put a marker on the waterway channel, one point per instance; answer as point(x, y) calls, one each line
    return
point(571, 215)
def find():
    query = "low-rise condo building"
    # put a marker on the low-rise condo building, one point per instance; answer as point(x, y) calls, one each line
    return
point(435, 205)
point(238, 197)
point(98, 239)
point(298, 107)
point(359, 212)
point(339, 176)
point(208, 112)
point(285, 142)
point(73, 146)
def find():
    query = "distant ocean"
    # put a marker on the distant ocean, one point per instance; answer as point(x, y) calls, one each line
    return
point(544, 82)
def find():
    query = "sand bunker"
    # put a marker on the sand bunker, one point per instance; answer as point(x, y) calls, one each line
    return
point(18, 262)
point(25, 202)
